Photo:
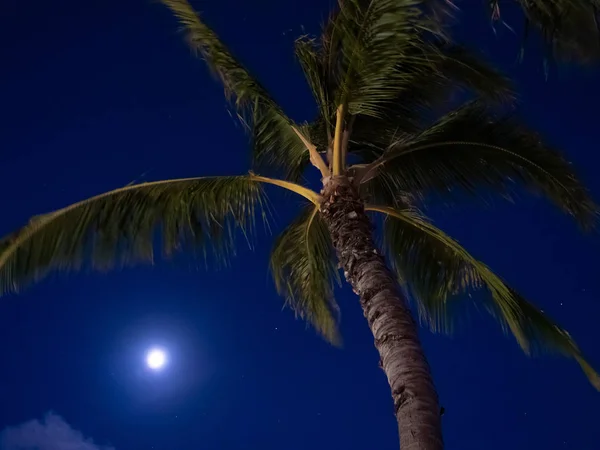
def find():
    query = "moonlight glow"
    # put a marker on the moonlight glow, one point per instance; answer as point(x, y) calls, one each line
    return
point(156, 359)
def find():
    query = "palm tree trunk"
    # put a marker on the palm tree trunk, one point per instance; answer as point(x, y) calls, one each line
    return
point(395, 332)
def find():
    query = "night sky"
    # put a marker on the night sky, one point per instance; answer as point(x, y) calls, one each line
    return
point(96, 94)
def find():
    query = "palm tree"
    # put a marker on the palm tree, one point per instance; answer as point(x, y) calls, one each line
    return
point(380, 73)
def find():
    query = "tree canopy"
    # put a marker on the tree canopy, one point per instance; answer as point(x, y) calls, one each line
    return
point(399, 109)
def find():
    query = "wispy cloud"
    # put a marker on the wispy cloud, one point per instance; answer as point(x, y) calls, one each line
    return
point(50, 433)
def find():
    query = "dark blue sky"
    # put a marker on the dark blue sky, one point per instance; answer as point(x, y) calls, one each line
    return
point(94, 94)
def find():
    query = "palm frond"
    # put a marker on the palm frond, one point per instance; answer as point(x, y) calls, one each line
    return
point(123, 226)
point(454, 71)
point(368, 39)
point(568, 28)
point(304, 269)
point(310, 55)
point(384, 190)
point(470, 149)
point(467, 70)
point(426, 72)
point(436, 269)
point(277, 149)
point(275, 145)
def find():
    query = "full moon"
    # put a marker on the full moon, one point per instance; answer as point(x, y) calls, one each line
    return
point(156, 359)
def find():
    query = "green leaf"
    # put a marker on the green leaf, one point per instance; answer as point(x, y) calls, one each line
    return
point(122, 227)
point(276, 148)
point(311, 55)
point(452, 71)
point(304, 268)
point(367, 40)
point(436, 269)
point(460, 69)
point(471, 150)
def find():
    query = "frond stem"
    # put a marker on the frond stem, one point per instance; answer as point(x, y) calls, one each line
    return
point(308, 225)
point(315, 159)
point(308, 194)
point(338, 151)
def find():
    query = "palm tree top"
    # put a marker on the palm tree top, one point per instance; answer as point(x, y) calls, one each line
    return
point(382, 74)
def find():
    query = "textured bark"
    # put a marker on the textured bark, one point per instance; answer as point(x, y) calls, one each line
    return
point(385, 307)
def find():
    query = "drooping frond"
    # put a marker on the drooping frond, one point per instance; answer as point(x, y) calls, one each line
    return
point(470, 149)
point(437, 269)
point(304, 269)
point(276, 145)
point(569, 28)
point(122, 227)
